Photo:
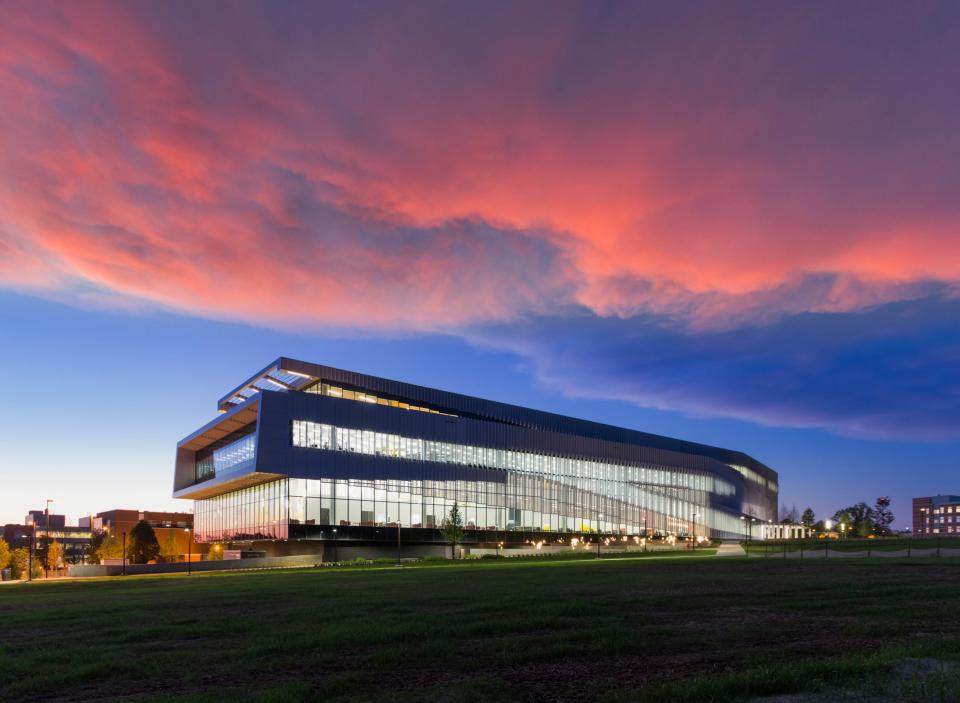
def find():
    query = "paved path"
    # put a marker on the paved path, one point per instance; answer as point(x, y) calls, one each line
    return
point(730, 549)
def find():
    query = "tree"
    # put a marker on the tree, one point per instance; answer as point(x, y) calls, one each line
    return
point(170, 549)
point(93, 549)
point(854, 517)
point(808, 519)
point(453, 528)
point(142, 545)
point(789, 516)
point(111, 547)
point(54, 555)
point(882, 515)
point(19, 561)
point(4, 554)
point(42, 548)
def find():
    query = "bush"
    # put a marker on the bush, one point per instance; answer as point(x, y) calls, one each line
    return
point(433, 557)
point(492, 556)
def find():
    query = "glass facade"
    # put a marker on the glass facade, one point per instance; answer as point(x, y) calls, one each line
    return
point(235, 456)
point(539, 492)
point(258, 512)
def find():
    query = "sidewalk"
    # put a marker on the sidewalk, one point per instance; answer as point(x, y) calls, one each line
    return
point(730, 549)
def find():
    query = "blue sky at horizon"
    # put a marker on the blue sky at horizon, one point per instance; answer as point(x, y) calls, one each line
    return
point(98, 398)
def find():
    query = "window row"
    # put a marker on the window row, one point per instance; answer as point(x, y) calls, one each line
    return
point(321, 388)
point(322, 436)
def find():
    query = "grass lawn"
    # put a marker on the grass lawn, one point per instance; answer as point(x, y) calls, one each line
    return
point(922, 545)
point(660, 629)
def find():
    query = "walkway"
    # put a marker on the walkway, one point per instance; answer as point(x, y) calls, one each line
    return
point(730, 549)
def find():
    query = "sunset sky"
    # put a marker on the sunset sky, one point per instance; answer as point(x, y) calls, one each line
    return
point(736, 223)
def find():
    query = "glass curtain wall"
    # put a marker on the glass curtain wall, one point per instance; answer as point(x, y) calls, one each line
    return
point(541, 492)
point(258, 512)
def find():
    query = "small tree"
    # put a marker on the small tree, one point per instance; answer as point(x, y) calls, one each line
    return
point(4, 554)
point(19, 561)
point(789, 516)
point(882, 515)
point(170, 549)
point(808, 519)
point(54, 555)
point(453, 528)
point(111, 547)
point(142, 545)
point(93, 549)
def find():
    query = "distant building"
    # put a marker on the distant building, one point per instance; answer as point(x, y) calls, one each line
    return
point(936, 515)
point(163, 524)
point(40, 519)
point(779, 530)
point(73, 539)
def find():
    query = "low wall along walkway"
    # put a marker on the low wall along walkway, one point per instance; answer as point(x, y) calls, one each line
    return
point(183, 567)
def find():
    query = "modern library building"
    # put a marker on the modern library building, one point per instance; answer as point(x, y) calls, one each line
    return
point(305, 458)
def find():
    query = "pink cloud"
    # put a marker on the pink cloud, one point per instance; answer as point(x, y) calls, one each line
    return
point(439, 168)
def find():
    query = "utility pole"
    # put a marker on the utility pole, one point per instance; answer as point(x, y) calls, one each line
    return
point(123, 566)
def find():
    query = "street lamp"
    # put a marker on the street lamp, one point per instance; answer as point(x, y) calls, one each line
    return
point(189, 550)
point(46, 530)
point(33, 547)
point(335, 553)
point(695, 516)
point(398, 543)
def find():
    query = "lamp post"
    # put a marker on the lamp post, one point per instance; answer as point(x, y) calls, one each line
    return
point(398, 543)
point(33, 546)
point(46, 530)
point(335, 554)
point(695, 516)
point(189, 551)
point(123, 561)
